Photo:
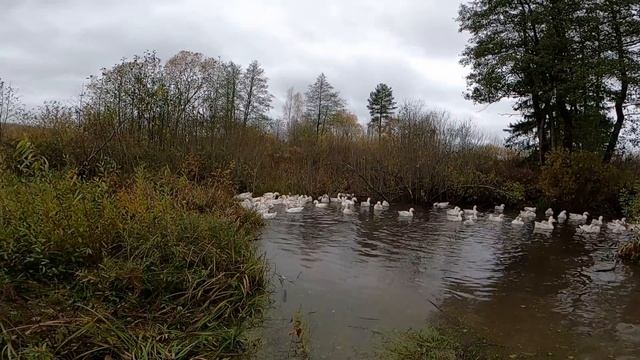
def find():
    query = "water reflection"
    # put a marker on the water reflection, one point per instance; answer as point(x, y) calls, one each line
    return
point(357, 275)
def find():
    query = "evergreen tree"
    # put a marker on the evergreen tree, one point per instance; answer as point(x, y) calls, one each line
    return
point(567, 63)
point(381, 106)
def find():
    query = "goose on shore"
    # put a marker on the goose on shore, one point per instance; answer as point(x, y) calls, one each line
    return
point(499, 207)
point(404, 213)
point(441, 205)
point(549, 212)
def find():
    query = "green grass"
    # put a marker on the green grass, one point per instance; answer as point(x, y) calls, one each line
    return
point(433, 343)
point(155, 267)
point(630, 251)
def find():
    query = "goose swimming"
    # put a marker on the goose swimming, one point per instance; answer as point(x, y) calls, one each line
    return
point(406, 213)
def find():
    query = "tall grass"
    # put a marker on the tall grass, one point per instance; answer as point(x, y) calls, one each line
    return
point(155, 267)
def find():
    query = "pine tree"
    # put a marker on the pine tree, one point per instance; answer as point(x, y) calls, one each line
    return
point(381, 107)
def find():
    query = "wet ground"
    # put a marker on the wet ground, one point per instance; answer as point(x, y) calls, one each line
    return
point(354, 277)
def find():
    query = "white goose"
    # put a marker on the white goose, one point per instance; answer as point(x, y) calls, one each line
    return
point(518, 221)
point(409, 213)
point(294, 210)
point(441, 205)
point(320, 205)
point(244, 196)
point(471, 211)
point(498, 218)
point(499, 207)
point(268, 215)
point(616, 223)
point(366, 204)
point(457, 217)
point(562, 217)
point(385, 204)
point(347, 210)
point(527, 214)
point(378, 206)
point(549, 212)
point(597, 222)
point(617, 227)
point(471, 219)
point(454, 211)
point(544, 225)
point(529, 208)
point(579, 217)
point(589, 229)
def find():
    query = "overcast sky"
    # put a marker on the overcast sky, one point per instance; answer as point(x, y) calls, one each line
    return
point(49, 47)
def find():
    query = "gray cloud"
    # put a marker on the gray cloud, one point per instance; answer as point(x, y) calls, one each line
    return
point(48, 48)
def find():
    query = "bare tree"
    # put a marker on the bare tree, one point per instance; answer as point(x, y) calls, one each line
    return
point(293, 109)
point(322, 103)
point(254, 96)
point(9, 106)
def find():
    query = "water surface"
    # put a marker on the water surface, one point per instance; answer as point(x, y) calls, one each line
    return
point(354, 277)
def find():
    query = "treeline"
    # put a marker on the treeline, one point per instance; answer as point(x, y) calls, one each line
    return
point(195, 114)
point(572, 66)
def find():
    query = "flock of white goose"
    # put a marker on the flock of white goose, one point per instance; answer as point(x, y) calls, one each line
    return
point(292, 204)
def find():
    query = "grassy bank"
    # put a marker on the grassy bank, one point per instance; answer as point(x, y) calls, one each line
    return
point(433, 343)
point(152, 266)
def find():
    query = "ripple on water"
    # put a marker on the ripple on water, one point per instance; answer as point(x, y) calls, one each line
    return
point(373, 265)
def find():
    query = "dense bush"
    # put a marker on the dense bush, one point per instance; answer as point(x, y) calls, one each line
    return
point(580, 181)
point(630, 251)
point(151, 267)
point(630, 201)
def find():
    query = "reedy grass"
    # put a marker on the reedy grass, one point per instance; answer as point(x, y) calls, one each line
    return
point(435, 343)
point(155, 267)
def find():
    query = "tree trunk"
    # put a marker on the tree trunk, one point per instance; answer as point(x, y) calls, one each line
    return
point(567, 121)
point(615, 134)
point(541, 121)
point(622, 95)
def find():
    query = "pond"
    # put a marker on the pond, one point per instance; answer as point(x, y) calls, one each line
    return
point(355, 277)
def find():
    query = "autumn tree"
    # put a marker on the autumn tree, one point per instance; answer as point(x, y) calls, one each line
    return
point(381, 105)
